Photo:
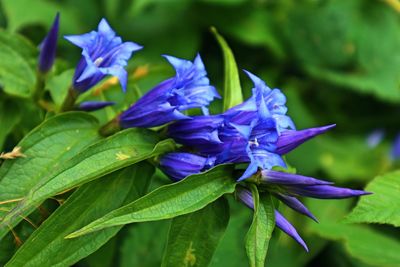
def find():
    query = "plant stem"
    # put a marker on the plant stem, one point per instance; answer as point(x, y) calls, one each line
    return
point(111, 127)
point(69, 101)
point(39, 88)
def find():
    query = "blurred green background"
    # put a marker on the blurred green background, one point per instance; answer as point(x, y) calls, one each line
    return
point(336, 61)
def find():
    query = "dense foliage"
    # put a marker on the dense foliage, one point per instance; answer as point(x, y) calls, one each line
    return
point(78, 189)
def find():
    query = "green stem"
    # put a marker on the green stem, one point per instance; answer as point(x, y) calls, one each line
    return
point(69, 101)
point(111, 127)
point(39, 88)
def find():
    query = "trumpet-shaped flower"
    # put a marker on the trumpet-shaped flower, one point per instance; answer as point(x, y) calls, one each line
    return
point(103, 53)
point(189, 88)
point(178, 165)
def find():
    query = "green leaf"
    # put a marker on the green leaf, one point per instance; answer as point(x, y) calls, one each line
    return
point(232, 89)
point(41, 12)
point(194, 237)
point(383, 206)
point(186, 196)
point(341, 42)
point(17, 65)
point(46, 147)
point(260, 232)
point(58, 86)
point(10, 115)
point(361, 242)
point(108, 155)
point(47, 245)
point(147, 240)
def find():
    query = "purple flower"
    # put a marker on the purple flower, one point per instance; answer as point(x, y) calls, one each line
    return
point(190, 88)
point(291, 139)
point(94, 105)
point(48, 47)
point(103, 53)
point(178, 165)
point(286, 187)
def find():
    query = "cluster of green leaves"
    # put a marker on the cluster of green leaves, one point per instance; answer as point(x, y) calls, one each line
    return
point(336, 61)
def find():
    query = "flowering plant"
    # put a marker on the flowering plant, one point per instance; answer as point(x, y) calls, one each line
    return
point(92, 160)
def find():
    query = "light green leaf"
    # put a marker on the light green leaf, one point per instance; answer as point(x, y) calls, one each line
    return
point(10, 115)
point(58, 86)
point(194, 237)
point(186, 196)
point(39, 12)
point(260, 232)
point(361, 242)
point(17, 65)
point(383, 206)
point(108, 155)
point(46, 147)
point(47, 245)
point(232, 89)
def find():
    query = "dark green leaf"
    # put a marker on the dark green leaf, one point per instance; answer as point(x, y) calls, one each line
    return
point(108, 155)
point(232, 89)
point(10, 115)
point(186, 196)
point(194, 237)
point(383, 206)
point(46, 147)
point(47, 245)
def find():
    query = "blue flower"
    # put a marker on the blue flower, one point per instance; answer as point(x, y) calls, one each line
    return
point(189, 88)
point(290, 139)
point(287, 187)
point(48, 47)
point(178, 165)
point(94, 105)
point(103, 53)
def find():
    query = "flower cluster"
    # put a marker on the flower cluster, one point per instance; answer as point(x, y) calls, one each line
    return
point(257, 132)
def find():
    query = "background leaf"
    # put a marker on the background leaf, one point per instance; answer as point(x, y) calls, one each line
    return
point(194, 237)
point(17, 65)
point(383, 206)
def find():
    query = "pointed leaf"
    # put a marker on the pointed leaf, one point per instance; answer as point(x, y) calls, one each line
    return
point(47, 245)
point(232, 89)
point(108, 155)
point(56, 140)
point(260, 232)
point(194, 237)
point(186, 196)
point(383, 206)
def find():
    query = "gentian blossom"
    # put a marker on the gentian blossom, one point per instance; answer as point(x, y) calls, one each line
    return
point(94, 105)
point(189, 88)
point(48, 47)
point(287, 187)
point(103, 53)
point(178, 165)
point(257, 132)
